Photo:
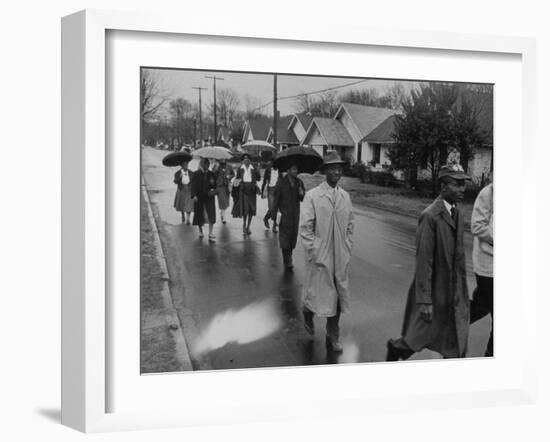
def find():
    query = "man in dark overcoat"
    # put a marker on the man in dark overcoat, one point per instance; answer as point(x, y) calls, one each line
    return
point(437, 314)
point(289, 193)
point(203, 191)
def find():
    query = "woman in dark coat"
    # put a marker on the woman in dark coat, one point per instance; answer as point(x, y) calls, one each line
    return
point(203, 190)
point(289, 193)
point(246, 181)
point(183, 202)
point(224, 175)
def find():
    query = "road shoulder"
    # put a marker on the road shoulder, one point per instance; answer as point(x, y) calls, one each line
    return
point(163, 345)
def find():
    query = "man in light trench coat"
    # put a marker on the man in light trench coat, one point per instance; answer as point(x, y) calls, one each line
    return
point(437, 314)
point(326, 228)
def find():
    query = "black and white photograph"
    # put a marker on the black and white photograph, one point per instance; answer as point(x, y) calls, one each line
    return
point(294, 220)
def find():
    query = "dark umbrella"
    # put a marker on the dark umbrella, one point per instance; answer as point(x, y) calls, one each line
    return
point(306, 159)
point(175, 159)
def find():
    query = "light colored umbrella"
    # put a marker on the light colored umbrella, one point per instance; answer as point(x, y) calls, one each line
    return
point(193, 165)
point(255, 147)
point(213, 152)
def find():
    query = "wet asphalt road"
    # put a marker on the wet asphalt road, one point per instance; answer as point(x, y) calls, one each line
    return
point(239, 309)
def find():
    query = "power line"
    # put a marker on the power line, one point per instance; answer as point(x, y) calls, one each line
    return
point(302, 94)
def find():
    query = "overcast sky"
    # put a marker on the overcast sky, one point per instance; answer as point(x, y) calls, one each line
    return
point(180, 83)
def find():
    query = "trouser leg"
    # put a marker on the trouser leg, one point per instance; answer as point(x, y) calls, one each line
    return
point(482, 305)
point(333, 325)
point(287, 258)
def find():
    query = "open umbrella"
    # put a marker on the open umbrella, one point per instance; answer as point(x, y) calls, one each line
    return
point(174, 159)
point(306, 159)
point(213, 152)
point(254, 148)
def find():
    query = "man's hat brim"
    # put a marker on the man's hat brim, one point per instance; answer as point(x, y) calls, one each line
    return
point(459, 176)
point(332, 163)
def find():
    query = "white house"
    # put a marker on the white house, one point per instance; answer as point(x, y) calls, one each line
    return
point(376, 145)
point(360, 121)
point(326, 134)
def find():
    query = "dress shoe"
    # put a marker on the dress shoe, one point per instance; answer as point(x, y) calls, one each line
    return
point(266, 224)
point(395, 353)
point(334, 345)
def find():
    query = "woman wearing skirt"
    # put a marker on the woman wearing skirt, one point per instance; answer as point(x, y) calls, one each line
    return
point(246, 181)
point(183, 202)
point(224, 175)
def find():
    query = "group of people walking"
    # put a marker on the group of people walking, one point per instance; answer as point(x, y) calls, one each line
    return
point(438, 311)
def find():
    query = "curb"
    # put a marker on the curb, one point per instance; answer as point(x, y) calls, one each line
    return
point(170, 313)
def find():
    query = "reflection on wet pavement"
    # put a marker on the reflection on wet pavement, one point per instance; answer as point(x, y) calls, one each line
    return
point(249, 324)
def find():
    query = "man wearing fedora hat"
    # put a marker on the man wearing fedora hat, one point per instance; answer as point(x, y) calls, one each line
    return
point(326, 229)
point(437, 314)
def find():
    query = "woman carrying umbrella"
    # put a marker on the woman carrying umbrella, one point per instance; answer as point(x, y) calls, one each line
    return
point(246, 181)
point(289, 193)
point(183, 202)
point(182, 178)
point(224, 175)
point(203, 189)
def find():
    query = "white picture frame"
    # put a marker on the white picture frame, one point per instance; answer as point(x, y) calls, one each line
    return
point(85, 233)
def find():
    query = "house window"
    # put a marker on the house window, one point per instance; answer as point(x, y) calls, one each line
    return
point(376, 153)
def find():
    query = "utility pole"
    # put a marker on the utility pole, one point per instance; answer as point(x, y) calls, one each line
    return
point(275, 110)
point(215, 121)
point(200, 89)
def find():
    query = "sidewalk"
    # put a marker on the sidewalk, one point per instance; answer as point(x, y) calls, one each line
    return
point(163, 347)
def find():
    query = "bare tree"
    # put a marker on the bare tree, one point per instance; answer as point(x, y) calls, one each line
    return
point(302, 103)
point(252, 106)
point(152, 95)
point(397, 95)
point(181, 112)
point(324, 105)
point(228, 103)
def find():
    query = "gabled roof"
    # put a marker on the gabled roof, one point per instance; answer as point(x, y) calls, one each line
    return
point(333, 132)
point(260, 128)
point(383, 132)
point(223, 132)
point(365, 118)
point(303, 119)
point(284, 134)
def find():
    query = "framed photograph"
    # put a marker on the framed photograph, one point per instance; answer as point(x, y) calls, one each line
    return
point(277, 223)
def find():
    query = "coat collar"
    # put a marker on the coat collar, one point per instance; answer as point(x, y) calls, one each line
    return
point(440, 208)
point(327, 190)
